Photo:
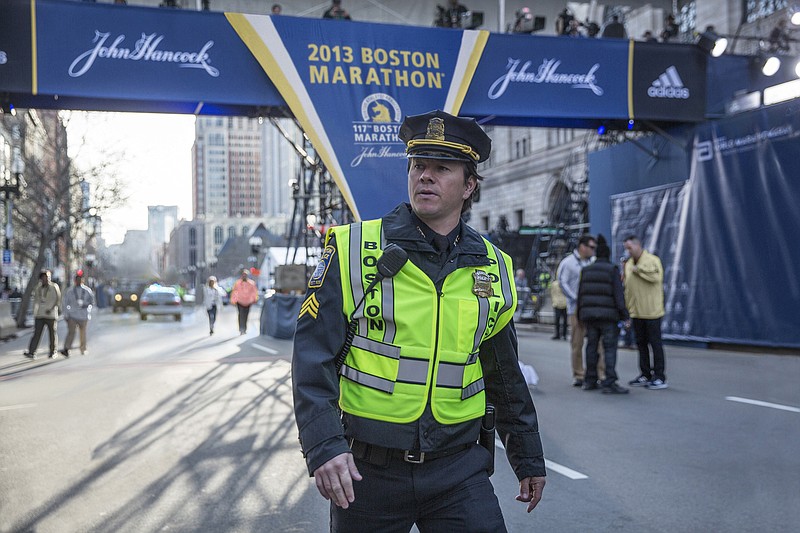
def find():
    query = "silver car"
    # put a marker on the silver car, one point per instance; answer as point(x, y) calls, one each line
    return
point(157, 300)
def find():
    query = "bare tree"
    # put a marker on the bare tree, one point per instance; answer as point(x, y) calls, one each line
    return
point(56, 218)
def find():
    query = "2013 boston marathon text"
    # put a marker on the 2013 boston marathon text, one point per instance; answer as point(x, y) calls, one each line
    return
point(378, 66)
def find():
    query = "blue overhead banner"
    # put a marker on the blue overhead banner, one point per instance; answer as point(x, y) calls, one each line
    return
point(537, 77)
point(725, 236)
point(349, 84)
point(142, 54)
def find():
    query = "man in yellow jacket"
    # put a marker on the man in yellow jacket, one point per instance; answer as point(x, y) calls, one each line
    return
point(392, 374)
point(644, 298)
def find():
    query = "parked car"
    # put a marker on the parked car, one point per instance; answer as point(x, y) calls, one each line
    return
point(157, 300)
point(126, 296)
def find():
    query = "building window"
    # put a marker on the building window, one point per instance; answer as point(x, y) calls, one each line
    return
point(245, 230)
point(485, 220)
point(231, 232)
point(192, 236)
point(518, 216)
point(761, 9)
point(218, 235)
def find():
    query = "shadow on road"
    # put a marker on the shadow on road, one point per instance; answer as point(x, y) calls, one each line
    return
point(218, 454)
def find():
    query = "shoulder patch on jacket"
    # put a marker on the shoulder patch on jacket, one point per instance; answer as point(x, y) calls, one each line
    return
point(310, 307)
point(315, 282)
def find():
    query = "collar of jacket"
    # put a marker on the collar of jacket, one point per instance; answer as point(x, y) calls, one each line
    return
point(400, 227)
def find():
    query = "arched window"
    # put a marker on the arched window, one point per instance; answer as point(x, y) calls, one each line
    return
point(245, 230)
point(192, 236)
point(231, 232)
point(218, 235)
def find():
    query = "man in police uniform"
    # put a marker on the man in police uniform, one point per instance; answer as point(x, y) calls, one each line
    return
point(431, 346)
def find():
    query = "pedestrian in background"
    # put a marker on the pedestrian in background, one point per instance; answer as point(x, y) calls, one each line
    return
point(46, 307)
point(569, 275)
point(644, 297)
point(601, 306)
point(392, 378)
point(559, 302)
point(243, 295)
point(78, 304)
point(336, 11)
point(212, 298)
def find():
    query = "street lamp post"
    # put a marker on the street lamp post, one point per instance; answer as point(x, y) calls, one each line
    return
point(201, 281)
point(11, 187)
point(255, 247)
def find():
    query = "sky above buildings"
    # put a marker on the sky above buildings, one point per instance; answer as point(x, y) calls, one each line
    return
point(151, 155)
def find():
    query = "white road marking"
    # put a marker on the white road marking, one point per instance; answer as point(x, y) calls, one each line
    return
point(20, 406)
point(763, 404)
point(563, 470)
point(555, 467)
point(265, 349)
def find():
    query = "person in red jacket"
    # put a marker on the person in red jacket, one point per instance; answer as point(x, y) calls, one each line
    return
point(243, 295)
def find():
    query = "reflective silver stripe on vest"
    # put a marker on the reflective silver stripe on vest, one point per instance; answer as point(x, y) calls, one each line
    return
point(473, 357)
point(386, 350)
point(505, 283)
point(483, 321)
point(387, 305)
point(472, 389)
point(413, 371)
point(356, 282)
point(367, 380)
point(450, 375)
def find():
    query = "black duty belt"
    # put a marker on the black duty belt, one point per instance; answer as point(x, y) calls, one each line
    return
point(379, 455)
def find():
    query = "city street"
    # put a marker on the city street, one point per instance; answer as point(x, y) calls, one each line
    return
point(163, 427)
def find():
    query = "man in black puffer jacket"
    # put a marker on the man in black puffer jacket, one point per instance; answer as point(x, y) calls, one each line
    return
point(601, 305)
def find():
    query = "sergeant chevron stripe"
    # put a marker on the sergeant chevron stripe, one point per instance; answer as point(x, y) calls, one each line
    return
point(310, 307)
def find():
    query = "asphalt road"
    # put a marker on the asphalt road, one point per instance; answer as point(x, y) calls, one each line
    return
point(163, 428)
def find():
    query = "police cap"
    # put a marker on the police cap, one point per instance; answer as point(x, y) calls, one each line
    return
point(440, 135)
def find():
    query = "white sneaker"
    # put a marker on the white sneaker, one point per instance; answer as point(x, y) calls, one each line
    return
point(656, 384)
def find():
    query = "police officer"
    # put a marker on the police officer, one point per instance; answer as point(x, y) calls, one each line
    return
point(429, 348)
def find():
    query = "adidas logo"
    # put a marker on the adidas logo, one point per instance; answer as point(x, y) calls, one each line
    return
point(668, 85)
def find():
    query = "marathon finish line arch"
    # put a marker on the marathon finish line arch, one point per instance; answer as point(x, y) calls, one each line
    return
point(349, 84)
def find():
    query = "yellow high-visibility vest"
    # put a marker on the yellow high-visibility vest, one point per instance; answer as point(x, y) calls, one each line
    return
point(413, 343)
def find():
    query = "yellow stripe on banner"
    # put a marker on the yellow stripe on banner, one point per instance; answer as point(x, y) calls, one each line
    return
point(272, 68)
point(34, 76)
point(469, 72)
point(630, 79)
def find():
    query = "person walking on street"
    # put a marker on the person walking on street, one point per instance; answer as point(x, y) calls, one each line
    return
point(559, 302)
point(212, 298)
point(405, 335)
point(601, 306)
point(569, 274)
point(46, 307)
point(78, 304)
point(243, 295)
point(644, 297)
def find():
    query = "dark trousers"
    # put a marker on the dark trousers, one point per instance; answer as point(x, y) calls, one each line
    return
point(452, 493)
point(212, 317)
point(608, 333)
point(560, 318)
point(629, 337)
point(244, 311)
point(38, 325)
point(648, 335)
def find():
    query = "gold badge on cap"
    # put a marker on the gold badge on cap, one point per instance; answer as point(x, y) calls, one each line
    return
point(435, 129)
point(482, 288)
